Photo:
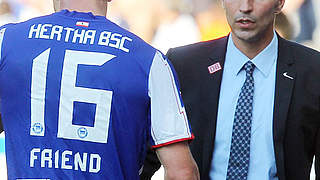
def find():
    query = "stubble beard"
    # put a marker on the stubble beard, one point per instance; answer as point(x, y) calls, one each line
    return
point(253, 37)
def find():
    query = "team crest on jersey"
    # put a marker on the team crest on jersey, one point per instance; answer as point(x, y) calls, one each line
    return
point(37, 128)
point(82, 132)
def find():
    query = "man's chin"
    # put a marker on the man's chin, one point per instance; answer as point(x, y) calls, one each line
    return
point(246, 36)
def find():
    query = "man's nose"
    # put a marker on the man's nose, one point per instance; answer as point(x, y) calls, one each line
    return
point(246, 6)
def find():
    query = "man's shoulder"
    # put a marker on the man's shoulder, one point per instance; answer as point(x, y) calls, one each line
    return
point(198, 49)
point(193, 55)
point(299, 50)
point(307, 60)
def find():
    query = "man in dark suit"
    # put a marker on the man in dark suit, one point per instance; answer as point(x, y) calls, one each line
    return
point(252, 98)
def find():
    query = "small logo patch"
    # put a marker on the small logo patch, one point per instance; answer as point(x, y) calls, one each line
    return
point(37, 128)
point(82, 132)
point(214, 68)
point(287, 76)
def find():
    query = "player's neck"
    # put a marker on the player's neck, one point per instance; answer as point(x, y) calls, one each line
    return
point(97, 8)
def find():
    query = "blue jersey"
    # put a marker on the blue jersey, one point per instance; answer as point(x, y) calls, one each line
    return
point(81, 97)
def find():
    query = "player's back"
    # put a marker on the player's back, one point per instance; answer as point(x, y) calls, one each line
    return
point(74, 98)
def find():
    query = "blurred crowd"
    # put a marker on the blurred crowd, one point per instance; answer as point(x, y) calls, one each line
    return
point(171, 23)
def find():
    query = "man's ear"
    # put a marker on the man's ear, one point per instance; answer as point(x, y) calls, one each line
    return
point(278, 6)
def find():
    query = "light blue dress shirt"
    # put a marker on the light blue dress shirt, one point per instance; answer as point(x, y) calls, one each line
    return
point(262, 159)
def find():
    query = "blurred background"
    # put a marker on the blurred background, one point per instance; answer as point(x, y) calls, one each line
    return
point(171, 23)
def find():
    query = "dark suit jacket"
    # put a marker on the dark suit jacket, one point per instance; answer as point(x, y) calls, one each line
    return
point(296, 118)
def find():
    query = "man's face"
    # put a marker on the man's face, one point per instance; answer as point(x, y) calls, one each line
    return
point(251, 20)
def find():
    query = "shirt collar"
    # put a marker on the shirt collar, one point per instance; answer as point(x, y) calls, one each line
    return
point(263, 61)
point(81, 15)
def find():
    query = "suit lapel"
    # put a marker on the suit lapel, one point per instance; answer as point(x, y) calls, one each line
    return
point(285, 78)
point(213, 82)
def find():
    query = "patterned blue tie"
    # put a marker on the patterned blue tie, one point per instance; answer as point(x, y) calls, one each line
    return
point(241, 133)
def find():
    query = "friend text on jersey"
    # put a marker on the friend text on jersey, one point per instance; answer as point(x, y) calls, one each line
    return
point(46, 158)
point(80, 36)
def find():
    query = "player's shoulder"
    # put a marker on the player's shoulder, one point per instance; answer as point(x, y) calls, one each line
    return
point(138, 43)
point(22, 25)
point(5, 26)
point(4, 34)
point(139, 48)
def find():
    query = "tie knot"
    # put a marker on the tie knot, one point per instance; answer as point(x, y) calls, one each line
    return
point(249, 67)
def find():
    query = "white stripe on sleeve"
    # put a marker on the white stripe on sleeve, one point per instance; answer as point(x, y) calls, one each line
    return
point(168, 118)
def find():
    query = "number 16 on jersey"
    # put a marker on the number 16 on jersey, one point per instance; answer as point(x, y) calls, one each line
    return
point(102, 98)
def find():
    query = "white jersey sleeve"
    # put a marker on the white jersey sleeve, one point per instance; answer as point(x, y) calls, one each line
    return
point(169, 123)
point(2, 31)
